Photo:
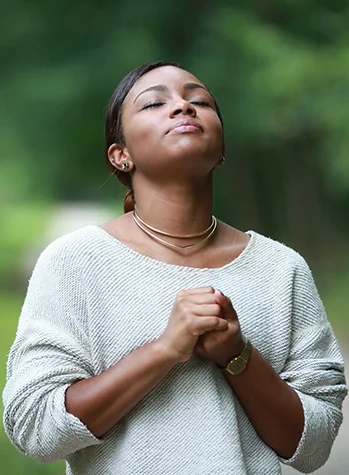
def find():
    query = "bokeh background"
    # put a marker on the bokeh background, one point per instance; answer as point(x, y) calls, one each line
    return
point(279, 70)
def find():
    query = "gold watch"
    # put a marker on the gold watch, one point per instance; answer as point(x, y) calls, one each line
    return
point(239, 363)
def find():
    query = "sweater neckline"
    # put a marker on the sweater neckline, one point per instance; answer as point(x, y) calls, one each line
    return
point(151, 260)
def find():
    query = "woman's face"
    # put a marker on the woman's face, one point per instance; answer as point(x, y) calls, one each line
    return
point(170, 122)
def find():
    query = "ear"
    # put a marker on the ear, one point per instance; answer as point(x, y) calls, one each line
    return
point(119, 157)
point(223, 148)
point(221, 160)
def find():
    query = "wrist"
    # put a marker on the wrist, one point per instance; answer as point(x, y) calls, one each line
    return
point(238, 349)
point(166, 354)
point(238, 364)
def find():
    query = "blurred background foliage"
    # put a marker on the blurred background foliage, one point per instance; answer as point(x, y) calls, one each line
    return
point(279, 70)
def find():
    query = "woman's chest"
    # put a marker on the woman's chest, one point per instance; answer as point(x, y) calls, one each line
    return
point(133, 313)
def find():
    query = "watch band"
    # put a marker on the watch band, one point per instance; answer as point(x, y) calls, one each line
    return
point(237, 364)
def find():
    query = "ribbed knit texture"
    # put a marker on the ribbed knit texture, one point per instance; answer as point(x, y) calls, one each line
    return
point(92, 300)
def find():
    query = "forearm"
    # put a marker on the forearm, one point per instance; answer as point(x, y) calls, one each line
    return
point(101, 401)
point(272, 406)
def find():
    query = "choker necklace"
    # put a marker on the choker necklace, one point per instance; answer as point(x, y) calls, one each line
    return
point(186, 236)
point(147, 229)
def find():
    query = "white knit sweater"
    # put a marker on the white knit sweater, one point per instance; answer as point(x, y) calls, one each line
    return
point(92, 300)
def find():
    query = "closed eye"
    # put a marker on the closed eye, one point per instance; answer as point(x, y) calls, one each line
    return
point(201, 103)
point(151, 105)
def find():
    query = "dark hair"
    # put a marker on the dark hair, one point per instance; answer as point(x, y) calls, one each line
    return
point(113, 120)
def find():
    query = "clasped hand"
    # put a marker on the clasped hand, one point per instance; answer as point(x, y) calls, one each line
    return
point(203, 321)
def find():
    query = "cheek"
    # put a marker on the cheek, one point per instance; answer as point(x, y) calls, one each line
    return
point(217, 132)
point(217, 126)
point(140, 136)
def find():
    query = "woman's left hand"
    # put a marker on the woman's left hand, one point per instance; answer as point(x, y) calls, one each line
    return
point(221, 346)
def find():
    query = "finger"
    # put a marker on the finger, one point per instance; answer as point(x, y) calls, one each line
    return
point(199, 290)
point(207, 310)
point(201, 299)
point(227, 309)
point(222, 299)
point(205, 324)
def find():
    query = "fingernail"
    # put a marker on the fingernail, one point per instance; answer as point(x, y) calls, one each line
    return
point(221, 292)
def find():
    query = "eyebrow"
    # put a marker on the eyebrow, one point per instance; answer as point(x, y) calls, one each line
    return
point(189, 86)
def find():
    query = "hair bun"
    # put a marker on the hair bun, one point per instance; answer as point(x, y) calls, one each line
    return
point(129, 202)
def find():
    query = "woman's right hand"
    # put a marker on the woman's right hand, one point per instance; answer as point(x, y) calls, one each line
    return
point(194, 312)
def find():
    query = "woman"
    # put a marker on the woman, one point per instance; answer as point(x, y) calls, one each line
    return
point(165, 342)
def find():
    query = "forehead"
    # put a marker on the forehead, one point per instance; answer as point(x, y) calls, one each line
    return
point(170, 76)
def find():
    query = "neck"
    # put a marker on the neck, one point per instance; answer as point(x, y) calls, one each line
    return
point(179, 208)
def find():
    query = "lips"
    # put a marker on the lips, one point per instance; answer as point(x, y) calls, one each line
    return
point(185, 125)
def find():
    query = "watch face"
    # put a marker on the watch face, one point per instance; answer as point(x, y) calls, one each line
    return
point(239, 363)
point(236, 366)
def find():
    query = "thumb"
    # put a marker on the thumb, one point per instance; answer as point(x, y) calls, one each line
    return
point(222, 324)
point(227, 310)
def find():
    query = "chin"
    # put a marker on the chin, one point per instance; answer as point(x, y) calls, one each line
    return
point(196, 150)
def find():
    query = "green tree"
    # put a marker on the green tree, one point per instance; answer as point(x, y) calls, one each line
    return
point(277, 68)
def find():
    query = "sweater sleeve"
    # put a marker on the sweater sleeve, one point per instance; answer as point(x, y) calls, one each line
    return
point(315, 369)
point(50, 352)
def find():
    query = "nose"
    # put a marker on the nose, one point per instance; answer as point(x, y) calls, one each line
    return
point(183, 107)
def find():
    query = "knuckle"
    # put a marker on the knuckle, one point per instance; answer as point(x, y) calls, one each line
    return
point(216, 309)
point(187, 320)
point(180, 295)
point(185, 307)
point(194, 330)
point(213, 322)
point(182, 303)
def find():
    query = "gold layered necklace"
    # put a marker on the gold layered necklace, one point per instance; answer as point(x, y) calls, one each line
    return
point(150, 230)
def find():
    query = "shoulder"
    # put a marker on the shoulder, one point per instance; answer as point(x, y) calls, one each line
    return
point(73, 249)
point(59, 275)
point(277, 253)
